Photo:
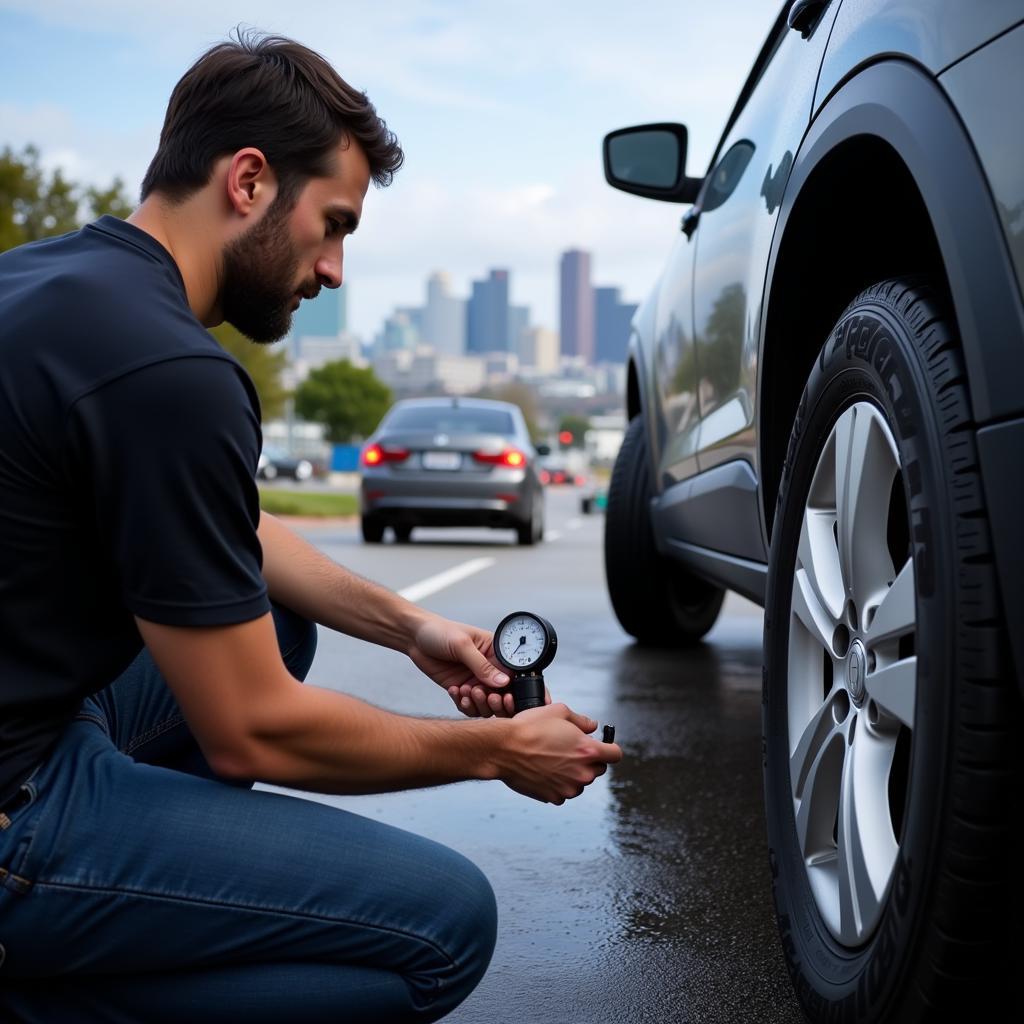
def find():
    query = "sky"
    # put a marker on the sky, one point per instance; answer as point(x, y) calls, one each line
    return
point(500, 108)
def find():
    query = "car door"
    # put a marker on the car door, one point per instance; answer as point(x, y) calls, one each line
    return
point(735, 219)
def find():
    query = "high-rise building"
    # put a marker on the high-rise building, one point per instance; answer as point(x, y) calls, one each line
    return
point(397, 334)
point(538, 348)
point(518, 322)
point(576, 319)
point(612, 318)
point(326, 316)
point(487, 316)
point(443, 324)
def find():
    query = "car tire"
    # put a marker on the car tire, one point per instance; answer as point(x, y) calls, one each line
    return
point(402, 533)
point(891, 778)
point(270, 471)
point(655, 600)
point(372, 528)
point(532, 531)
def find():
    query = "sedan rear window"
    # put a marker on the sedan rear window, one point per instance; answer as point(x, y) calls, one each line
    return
point(452, 420)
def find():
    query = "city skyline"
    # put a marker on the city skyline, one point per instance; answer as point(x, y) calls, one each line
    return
point(486, 321)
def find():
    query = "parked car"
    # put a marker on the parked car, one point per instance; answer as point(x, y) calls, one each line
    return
point(450, 462)
point(826, 416)
point(276, 462)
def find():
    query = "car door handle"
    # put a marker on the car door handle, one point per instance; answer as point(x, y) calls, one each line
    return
point(804, 15)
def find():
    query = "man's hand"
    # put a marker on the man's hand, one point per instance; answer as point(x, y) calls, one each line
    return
point(461, 659)
point(550, 755)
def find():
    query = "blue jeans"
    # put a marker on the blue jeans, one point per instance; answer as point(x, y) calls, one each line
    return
point(135, 886)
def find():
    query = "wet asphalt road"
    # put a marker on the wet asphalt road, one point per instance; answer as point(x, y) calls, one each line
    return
point(647, 898)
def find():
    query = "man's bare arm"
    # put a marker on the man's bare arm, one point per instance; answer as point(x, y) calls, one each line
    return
point(252, 719)
point(304, 579)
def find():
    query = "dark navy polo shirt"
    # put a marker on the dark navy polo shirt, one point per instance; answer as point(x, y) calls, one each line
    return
point(128, 448)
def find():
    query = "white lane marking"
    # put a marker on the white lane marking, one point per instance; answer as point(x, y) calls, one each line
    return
point(432, 584)
point(574, 524)
point(552, 535)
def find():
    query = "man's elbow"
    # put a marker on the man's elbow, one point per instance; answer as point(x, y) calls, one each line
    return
point(236, 758)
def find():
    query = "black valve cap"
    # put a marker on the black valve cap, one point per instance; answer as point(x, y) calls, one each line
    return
point(608, 735)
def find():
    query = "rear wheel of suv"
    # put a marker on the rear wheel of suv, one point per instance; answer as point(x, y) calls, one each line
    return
point(890, 711)
point(373, 529)
point(655, 600)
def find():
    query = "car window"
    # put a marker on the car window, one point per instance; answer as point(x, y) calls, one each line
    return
point(452, 420)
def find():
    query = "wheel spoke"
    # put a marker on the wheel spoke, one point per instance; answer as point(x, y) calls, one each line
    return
point(818, 557)
point(865, 467)
point(814, 769)
point(896, 615)
point(810, 611)
point(867, 848)
point(894, 689)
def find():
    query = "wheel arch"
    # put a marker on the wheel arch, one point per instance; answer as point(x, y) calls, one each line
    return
point(885, 183)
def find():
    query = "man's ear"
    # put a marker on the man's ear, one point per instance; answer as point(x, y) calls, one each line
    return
point(251, 184)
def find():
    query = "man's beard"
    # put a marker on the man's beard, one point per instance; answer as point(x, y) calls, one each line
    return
point(259, 275)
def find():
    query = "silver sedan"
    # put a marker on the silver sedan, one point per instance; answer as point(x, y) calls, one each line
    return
point(450, 462)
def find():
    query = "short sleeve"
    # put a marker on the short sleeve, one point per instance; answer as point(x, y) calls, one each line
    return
point(167, 456)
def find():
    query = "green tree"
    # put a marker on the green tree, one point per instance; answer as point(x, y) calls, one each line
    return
point(34, 204)
point(522, 395)
point(348, 400)
point(108, 200)
point(264, 363)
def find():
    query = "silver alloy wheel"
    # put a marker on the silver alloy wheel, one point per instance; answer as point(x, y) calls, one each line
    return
point(852, 683)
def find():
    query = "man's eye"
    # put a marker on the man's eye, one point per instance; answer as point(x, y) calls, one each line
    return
point(333, 226)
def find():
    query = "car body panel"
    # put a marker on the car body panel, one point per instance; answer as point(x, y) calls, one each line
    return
point(986, 88)
point(931, 33)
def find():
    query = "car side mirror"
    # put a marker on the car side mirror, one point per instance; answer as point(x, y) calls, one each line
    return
point(543, 449)
point(650, 160)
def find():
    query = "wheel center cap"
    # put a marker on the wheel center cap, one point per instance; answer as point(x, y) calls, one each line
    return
point(856, 670)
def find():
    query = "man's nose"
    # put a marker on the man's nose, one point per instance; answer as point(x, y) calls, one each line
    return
point(329, 269)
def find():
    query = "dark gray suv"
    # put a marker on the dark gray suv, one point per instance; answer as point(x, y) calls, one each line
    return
point(826, 402)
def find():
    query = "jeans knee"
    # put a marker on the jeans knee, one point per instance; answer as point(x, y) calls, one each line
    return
point(472, 915)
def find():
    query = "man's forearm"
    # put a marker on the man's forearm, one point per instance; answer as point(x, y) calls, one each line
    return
point(309, 583)
point(316, 739)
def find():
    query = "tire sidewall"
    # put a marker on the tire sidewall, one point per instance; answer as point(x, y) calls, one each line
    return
point(870, 356)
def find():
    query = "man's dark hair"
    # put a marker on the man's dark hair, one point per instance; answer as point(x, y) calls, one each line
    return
point(277, 95)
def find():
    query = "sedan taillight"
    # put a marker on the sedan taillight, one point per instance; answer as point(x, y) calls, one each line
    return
point(511, 457)
point(376, 455)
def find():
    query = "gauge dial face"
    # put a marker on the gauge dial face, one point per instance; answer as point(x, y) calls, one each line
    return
point(522, 641)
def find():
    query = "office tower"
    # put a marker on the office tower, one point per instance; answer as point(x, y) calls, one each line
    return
point(518, 321)
point(444, 317)
point(612, 318)
point(326, 316)
point(576, 319)
point(538, 348)
point(487, 314)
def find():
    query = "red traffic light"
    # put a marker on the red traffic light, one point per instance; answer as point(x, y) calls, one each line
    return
point(565, 437)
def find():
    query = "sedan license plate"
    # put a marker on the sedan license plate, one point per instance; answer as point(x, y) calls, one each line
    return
point(442, 460)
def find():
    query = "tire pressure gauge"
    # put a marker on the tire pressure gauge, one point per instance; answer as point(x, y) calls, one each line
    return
point(525, 644)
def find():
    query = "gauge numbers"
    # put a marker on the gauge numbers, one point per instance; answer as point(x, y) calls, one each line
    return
point(522, 641)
